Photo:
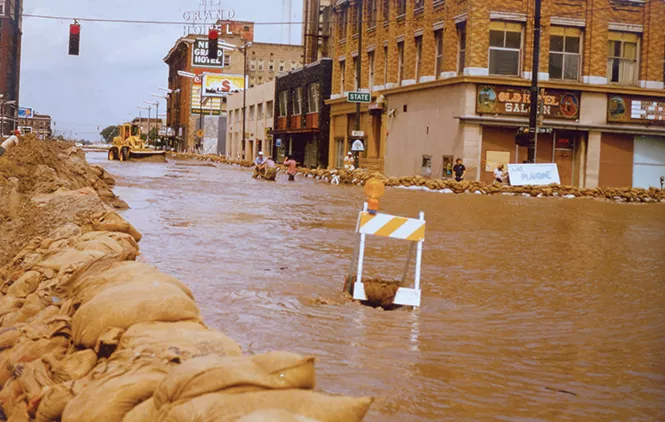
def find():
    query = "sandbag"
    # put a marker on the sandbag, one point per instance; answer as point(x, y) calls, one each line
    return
point(112, 222)
point(110, 399)
point(275, 415)
point(69, 258)
point(73, 366)
point(182, 340)
point(101, 275)
point(144, 412)
point(108, 242)
point(221, 407)
point(52, 403)
point(27, 351)
point(25, 285)
point(133, 303)
point(9, 337)
point(210, 374)
point(9, 304)
point(31, 307)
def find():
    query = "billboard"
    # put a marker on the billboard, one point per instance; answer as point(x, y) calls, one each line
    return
point(635, 109)
point(516, 101)
point(222, 85)
point(200, 55)
point(26, 113)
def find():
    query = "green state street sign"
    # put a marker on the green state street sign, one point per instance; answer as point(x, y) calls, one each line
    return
point(359, 97)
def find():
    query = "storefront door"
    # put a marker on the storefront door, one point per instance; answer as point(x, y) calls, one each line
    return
point(563, 156)
point(648, 161)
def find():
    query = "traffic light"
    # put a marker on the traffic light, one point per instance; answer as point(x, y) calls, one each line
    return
point(213, 44)
point(523, 138)
point(74, 39)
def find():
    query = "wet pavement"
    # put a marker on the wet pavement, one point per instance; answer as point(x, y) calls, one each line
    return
point(533, 309)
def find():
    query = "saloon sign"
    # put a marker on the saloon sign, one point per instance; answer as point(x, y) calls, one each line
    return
point(516, 101)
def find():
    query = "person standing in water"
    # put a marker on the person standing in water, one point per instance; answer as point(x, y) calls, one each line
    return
point(292, 168)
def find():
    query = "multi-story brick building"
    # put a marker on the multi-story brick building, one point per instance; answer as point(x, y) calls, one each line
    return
point(316, 29)
point(147, 125)
point(10, 63)
point(187, 111)
point(38, 124)
point(449, 79)
point(260, 108)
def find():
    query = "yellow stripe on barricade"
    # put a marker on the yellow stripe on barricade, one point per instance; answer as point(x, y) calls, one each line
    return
point(391, 226)
point(385, 225)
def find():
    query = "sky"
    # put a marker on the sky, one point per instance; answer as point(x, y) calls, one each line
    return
point(120, 65)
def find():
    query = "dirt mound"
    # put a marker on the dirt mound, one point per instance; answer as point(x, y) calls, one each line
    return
point(44, 185)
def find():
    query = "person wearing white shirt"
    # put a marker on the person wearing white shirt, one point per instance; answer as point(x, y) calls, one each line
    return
point(10, 142)
point(499, 174)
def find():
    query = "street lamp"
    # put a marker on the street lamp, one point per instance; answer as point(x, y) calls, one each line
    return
point(190, 75)
point(140, 119)
point(156, 103)
point(243, 50)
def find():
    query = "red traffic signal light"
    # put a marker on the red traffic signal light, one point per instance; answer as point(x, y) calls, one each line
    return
point(213, 44)
point(74, 39)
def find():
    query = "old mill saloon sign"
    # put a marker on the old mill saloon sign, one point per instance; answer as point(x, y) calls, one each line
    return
point(515, 101)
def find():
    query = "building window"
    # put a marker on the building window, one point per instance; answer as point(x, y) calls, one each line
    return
point(419, 6)
point(343, 22)
point(426, 170)
point(297, 101)
point(261, 67)
point(293, 65)
point(271, 65)
point(438, 44)
point(342, 76)
point(313, 97)
point(261, 110)
point(339, 152)
point(565, 48)
point(282, 66)
point(505, 48)
point(400, 62)
point(370, 62)
point(419, 57)
point(461, 48)
point(386, 11)
point(622, 55)
point(269, 107)
point(252, 65)
point(385, 65)
point(251, 113)
point(260, 80)
point(227, 60)
point(283, 103)
point(355, 73)
point(372, 12)
point(401, 7)
point(356, 11)
point(447, 169)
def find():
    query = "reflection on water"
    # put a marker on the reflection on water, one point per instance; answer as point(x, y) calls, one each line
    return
point(533, 309)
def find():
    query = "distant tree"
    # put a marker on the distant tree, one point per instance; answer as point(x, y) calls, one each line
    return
point(109, 133)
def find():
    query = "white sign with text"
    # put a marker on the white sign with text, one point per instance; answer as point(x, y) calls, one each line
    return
point(533, 174)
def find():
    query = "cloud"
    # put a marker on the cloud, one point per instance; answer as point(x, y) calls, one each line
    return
point(119, 65)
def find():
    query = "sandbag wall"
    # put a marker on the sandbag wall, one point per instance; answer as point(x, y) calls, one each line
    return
point(89, 334)
point(360, 176)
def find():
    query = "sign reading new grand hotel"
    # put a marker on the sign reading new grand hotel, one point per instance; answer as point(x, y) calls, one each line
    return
point(516, 101)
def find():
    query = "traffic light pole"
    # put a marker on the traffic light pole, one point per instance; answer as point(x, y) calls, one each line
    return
point(535, 99)
point(358, 71)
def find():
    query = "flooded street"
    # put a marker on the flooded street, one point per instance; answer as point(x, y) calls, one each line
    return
point(533, 309)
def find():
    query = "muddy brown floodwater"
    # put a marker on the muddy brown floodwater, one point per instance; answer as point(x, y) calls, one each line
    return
point(533, 309)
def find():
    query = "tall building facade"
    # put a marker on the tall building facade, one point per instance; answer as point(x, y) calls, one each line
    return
point(316, 26)
point(451, 80)
point(10, 63)
point(188, 111)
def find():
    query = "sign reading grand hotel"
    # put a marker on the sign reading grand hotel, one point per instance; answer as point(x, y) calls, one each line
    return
point(516, 101)
point(200, 55)
point(634, 109)
point(210, 13)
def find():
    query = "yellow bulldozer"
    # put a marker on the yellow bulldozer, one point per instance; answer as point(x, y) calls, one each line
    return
point(130, 145)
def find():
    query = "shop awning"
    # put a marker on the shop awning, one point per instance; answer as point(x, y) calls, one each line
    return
point(294, 131)
point(653, 130)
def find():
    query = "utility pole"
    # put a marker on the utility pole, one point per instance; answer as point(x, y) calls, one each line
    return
point(535, 99)
point(359, 70)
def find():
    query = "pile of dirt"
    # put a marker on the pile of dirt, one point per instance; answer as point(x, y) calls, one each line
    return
point(44, 185)
point(89, 334)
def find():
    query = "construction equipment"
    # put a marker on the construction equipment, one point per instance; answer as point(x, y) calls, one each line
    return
point(130, 145)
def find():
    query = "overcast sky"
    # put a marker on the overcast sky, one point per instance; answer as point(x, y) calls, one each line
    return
point(119, 65)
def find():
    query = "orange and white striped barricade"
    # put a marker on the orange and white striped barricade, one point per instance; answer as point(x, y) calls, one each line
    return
point(385, 225)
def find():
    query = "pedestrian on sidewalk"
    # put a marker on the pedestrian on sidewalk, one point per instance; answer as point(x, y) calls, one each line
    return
point(10, 142)
point(292, 170)
point(459, 170)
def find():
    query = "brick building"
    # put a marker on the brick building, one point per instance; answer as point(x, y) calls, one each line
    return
point(10, 62)
point(302, 119)
point(187, 111)
point(38, 124)
point(260, 107)
point(316, 29)
point(450, 79)
point(147, 125)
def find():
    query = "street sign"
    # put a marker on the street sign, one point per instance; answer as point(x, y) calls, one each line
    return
point(541, 130)
point(357, 133)
point(358, 146)
point(199, 133)
point(359, 97)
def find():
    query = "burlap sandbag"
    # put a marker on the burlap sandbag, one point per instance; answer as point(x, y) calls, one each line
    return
point(99, 276)
point(112, 222)
point(27, 351)
point(25, 285)
point(31, 307)
point(52, 402)
point(177, 340)
point(110, 399)
point(69, 258)
point(9, 304)
point(210, 374)
point(124, 305)
point(222, 407)
point(275, 415)
point(144, 412)
point(109, 242)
